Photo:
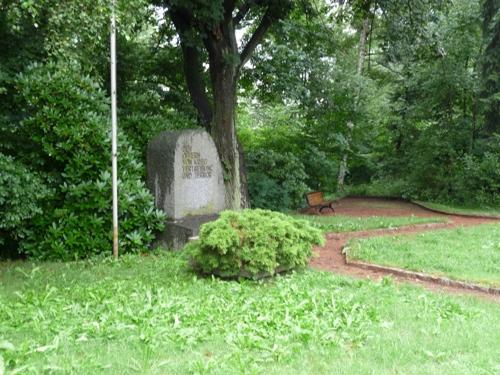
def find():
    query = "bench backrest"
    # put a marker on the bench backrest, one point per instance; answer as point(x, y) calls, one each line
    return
point(314, 198)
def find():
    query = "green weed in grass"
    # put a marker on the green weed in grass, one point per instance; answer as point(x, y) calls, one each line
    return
point(471, 254)
point(158, 303)
point(151, 315)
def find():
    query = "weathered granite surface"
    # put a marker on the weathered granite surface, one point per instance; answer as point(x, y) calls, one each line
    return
point(178, 233)
point(185, 177)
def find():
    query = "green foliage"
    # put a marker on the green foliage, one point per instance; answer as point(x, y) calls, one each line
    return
point(271, 136)
point(306, 82)
point(381, 188)
point(437, 171)
point(283, 160)
point(143, 116)
point(425, 110)
point(276, 181)
point(252, 243)
point(67, 120)
point(54, 121)
point(431, 144)
point(20, 198)
point(477, 180)
point(491, 65)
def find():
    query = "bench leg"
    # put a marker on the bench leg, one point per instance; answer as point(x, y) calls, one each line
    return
point(330, 206)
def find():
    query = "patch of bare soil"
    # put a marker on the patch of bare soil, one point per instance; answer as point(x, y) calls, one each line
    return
point(330, 258)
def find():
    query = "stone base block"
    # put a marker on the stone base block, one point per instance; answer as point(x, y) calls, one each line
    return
point(178, 232)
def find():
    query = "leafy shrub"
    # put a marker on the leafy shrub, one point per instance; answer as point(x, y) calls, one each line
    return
point(20, 195)
point(275, 181)
point(321, 169)
point(143, 115)
point(470, 181)
point(68, 121)
point(254, 242)
point(477, 180)
point(380, 188)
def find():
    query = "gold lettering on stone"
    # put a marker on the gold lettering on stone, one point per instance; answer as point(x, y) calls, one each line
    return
point(193, 165)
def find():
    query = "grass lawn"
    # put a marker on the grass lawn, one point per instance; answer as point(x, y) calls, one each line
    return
point(493, 212)
point(471, 254)
point(340, 223)
point(152, 315)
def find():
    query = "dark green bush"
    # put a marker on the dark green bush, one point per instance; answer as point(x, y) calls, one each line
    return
point(67, 120)
point(469, 181)
point(276, 181)
point(143, 116)
point(252, 243)
point(21, 194)
point(477, 180)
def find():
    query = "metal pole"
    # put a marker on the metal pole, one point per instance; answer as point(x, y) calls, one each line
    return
point(114, 126)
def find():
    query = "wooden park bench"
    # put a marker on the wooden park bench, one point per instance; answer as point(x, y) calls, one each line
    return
point(315, 200)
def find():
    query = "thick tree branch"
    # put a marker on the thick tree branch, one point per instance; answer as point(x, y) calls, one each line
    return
point(229, 6)
point(193, 69)
point(256, 38)
point(242, 12)
point(196, 85)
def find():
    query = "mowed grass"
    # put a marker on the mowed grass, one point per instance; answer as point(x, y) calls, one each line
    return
point(152, 315)
point(470, 254)
point(339, 223)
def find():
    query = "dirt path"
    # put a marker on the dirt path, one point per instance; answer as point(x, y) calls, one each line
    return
point(330, 257)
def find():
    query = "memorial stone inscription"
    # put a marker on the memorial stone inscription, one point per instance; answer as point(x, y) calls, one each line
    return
point(193, 165)
point(185, 174)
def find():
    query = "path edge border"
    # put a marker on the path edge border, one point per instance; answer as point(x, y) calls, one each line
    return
point(422, 276)
point(424, 206)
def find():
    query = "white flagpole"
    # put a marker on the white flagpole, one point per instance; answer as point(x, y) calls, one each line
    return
point(114, 126)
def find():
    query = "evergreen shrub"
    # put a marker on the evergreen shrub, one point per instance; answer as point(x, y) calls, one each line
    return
point(253, 243)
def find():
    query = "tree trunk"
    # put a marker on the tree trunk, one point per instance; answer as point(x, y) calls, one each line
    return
point(222, 48)
point(245, 197)
point(343, 168)
point(225, 138)
point(362, 45)
point(224, 135)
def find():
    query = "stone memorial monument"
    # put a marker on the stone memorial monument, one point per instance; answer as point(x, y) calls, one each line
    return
point(185, 177)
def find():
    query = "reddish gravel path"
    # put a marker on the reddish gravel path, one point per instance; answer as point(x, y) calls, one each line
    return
point(330, 257)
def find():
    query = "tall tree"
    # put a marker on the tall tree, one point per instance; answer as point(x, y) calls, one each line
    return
point(363, 35)
point(491, 65)
point(207, 35)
